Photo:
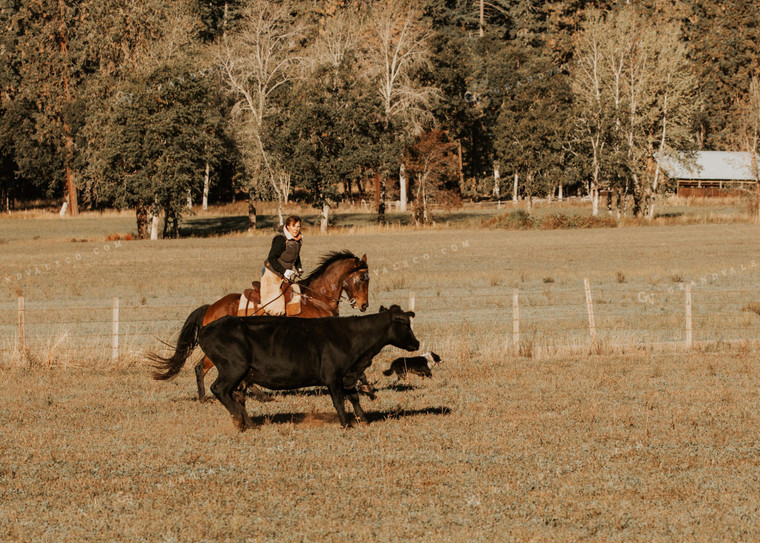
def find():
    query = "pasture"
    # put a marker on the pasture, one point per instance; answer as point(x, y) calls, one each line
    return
point(635, 438)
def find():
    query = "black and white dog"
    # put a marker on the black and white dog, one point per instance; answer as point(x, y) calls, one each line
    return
point(417, 365)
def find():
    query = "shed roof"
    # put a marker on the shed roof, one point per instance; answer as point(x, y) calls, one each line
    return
point(709, 165)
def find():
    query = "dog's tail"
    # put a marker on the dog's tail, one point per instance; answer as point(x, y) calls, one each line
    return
point(389, 371)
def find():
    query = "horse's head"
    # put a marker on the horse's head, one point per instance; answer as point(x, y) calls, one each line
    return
point(356, 284)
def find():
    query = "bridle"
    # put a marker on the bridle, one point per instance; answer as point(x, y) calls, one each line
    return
point(344, 286)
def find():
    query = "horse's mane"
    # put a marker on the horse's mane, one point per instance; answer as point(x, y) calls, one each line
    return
point(327, 260)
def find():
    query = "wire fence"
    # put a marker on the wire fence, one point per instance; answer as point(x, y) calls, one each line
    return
point(521, 322)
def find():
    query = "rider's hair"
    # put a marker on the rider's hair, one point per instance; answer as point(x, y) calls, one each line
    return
point(293, 219)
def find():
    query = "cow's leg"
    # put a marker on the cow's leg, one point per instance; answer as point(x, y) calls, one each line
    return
point(201, 369)
point(353, 396)
point(339, 402)
point(259, 394)
point(366, 388)
point(239, 396)
point(224, 387)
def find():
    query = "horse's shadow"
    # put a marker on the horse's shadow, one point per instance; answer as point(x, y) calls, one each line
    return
point(319, 419)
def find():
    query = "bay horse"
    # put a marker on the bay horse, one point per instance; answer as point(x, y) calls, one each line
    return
point(321, 293)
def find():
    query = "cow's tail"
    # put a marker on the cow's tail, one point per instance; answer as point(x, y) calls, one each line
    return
point(389, 371)
point(166, 368)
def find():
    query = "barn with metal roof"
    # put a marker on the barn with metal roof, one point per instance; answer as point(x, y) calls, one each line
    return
point(710, 173)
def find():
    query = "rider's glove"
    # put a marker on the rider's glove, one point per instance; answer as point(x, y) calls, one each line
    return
point(289, 274)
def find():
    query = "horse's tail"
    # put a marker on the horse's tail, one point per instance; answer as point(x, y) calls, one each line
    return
point(166, 368)
point(389, 371)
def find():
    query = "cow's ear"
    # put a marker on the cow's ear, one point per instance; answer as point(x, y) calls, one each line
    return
point(404, 316)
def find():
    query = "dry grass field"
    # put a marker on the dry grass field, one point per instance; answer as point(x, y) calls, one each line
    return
point(638, 440)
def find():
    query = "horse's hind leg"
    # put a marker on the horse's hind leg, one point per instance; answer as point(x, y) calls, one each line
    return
point(201, 369)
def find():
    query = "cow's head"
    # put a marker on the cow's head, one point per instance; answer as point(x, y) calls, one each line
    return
point(401, 334)
point(356, 285)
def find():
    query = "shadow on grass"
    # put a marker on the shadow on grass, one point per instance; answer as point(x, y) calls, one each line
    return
point(320, 419)
point(322, 391)
point(219, 226)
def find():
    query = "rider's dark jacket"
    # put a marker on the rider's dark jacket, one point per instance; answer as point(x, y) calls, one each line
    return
point(285, 253)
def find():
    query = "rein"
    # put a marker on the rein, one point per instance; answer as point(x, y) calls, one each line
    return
point(337, 300)
point(320, 303)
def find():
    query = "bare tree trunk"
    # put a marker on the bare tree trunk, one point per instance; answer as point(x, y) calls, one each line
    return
point(496, 188)
point(514, 189)
point(141, 213)
point(482, 18)
point(251, 213)
point(70, 186)
point(324, 218)
point(380, 197)
point(189, 200)
point(594, 199)
point(279, 210)
point(207, 178)
point(560, 197)
point(154, 226)
point(425, 215)
point(529, 186)
point(461, 169)
point(402, 187)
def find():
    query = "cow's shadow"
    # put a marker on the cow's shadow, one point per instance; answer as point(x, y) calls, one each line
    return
point(320, 419)
point(322, 391)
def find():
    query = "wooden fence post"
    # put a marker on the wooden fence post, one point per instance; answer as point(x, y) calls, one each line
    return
point(115, 330)
point(21, 326)
point(411, 308)
point(515, 322)
point(689, 337)
point(590, 309)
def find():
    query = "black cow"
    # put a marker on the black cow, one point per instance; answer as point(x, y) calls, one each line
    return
point(284, 353)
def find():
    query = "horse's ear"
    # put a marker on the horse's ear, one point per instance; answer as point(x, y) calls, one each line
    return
point(382, 308)
point(364, 258)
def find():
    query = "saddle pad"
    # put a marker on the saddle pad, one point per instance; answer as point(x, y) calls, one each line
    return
point(241, 306)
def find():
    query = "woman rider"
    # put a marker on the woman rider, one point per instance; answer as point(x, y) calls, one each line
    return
point(283, 262)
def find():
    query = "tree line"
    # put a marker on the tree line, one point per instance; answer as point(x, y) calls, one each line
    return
point(154, 105)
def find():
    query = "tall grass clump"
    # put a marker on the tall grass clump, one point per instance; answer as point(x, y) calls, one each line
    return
point(522, 220)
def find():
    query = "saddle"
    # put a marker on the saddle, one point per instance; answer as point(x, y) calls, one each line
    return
point(251, 300)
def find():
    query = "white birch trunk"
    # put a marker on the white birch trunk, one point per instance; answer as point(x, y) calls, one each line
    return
point(559, 195)
point(496, 188)
point(514, 189)
point(324, 218)
point(153, 226)
point(189, 200)
point(206, 183)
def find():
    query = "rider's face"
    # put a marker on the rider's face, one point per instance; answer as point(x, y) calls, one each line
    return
point(294, 229)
